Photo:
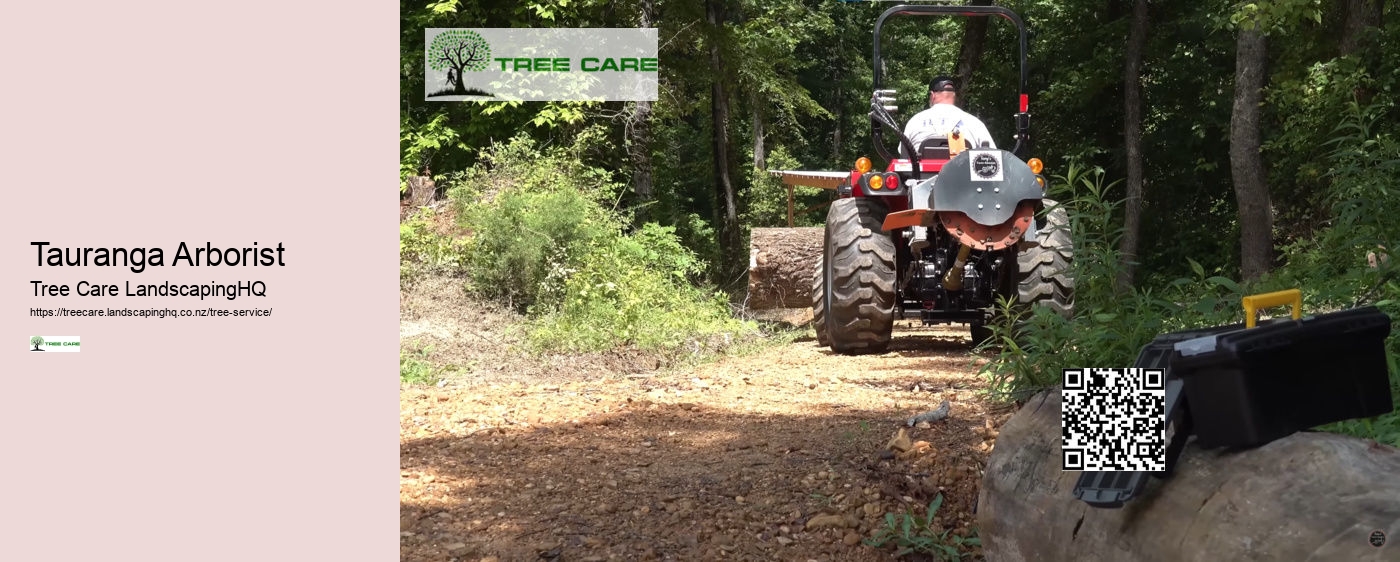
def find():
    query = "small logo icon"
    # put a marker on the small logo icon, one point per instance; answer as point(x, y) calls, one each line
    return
point(1377, 538)
point(69, 344)
point(986, 165)
point(458, 51)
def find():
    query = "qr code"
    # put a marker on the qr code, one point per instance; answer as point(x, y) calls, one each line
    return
point(1114, 419)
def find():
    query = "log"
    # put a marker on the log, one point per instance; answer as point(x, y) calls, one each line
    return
point(781, 262)
point(1308, 496)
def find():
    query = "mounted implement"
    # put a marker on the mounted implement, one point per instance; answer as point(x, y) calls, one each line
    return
point(990, 232)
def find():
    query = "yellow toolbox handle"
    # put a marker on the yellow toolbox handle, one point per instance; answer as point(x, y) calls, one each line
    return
point(1253, 303)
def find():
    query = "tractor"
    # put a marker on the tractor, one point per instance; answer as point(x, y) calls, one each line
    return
point(990, 232)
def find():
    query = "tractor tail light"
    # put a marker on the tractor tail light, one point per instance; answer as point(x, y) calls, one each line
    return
point(876, 181)
point(862, 164)
point(892, 181)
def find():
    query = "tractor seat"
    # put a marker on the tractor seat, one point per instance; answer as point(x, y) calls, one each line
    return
point(934, 149)
point(931, 149)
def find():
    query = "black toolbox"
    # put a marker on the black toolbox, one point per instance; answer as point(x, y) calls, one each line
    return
point(1243, 386)
point(1247, 387)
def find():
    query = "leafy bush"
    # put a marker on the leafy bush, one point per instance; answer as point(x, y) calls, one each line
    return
point(532, 218)
point(634, 290)
point(768, 196)
point(423, 250)
point(546, 239)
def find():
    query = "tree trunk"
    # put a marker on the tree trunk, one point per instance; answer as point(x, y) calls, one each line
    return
point(970, 53)
point(836, 137)
point(458, 85)
point(1132, 142)
point(1308, 496)
point(1246, 162)
point(780, 266)
point(1358, 16)
point(719, 114)
point(639, 142)
point(759, 159)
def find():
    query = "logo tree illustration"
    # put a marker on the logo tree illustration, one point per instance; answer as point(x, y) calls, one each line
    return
point(36, 341)
point(457, 51)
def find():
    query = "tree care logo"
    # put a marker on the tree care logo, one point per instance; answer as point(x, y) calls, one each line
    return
point(513, 64)
point(458, 51)
point(68, 344)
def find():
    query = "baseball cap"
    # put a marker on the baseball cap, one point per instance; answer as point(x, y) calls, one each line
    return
point(942, 84)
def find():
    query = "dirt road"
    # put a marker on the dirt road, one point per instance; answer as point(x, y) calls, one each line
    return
point(774, 455)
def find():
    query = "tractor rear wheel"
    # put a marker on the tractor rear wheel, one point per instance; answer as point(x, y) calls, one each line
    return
point(819, 302)
point(859, 271)
point(1043, 276)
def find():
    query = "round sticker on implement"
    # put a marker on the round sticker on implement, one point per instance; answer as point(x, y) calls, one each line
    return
point(986, 166)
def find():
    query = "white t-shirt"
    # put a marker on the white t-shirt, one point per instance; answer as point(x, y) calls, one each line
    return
point(941, 119)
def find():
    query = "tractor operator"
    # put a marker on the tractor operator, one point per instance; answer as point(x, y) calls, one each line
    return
point(942, 117)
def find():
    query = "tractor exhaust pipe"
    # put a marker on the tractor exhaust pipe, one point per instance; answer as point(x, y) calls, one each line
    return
point(953, 279)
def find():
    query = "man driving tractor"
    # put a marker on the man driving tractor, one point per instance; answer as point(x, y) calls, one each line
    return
point(942, 117)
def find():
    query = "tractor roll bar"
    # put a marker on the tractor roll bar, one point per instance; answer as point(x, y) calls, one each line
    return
point(1023, 121)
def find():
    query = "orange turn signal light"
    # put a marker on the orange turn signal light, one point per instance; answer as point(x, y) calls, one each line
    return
point(862, 164)
point(1036, 165)
point(876, 182)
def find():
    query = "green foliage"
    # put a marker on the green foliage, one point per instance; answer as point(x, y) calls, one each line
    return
point(545, 239)
point(423, 250)
point(768, 199)
point(414, 367)
point(532, 218)
point(635, 290)
point(461, 49)
point(914, 534)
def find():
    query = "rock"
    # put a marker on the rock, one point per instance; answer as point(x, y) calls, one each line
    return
point(900, 442)
point(457, 549)
point(872, 509)
point(829, 521)
point(851, 539)
point(1308, 496)
point(931, 416)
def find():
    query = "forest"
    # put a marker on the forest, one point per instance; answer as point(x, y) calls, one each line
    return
point(1205, 149)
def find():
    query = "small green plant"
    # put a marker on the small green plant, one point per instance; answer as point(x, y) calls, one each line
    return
point(422, 250)
point(414, 367)
point(913, 534)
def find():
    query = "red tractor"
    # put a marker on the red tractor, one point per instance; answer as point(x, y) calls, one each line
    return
point(990, 231)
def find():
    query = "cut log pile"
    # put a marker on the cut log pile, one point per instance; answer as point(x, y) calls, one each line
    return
point(781, 263)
